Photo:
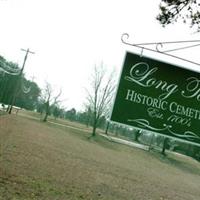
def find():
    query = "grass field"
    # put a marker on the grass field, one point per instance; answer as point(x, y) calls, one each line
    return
point(43, 161)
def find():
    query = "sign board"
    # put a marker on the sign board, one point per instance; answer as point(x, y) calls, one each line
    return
point(159, 97)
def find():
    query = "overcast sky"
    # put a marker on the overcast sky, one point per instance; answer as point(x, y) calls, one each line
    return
point(70, 37)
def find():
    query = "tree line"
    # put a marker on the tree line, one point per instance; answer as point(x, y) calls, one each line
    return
point(17, 90)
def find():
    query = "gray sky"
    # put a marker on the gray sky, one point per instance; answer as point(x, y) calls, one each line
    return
point(70, 37)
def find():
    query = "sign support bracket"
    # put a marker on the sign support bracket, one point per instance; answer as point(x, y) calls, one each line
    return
point(159, 45)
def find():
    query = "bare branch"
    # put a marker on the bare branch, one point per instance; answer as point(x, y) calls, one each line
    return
point(185, 10)
point(100, 96)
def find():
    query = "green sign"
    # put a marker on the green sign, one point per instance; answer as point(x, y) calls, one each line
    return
point(158, 97)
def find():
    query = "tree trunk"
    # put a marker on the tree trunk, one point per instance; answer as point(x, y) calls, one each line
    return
point(45, 117)
point(107, 127)
point(47, 112)
point(94, 131)
point(137, 135)
point(94, 127)
point(164, 146)
point(9, 109)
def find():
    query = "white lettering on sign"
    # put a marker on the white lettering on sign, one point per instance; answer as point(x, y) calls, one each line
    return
point(182, 110)
point(192, 89)
point(141, 74)
point(162, 105)
point(143, 99)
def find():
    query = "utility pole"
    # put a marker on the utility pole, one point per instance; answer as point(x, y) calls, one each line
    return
point(18, 80)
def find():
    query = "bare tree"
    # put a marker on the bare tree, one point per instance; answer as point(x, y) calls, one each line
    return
point(49, 99)
point(100, 95)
